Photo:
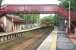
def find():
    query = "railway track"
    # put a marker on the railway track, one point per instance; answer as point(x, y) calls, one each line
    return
point(31, 43)
point(38, 40)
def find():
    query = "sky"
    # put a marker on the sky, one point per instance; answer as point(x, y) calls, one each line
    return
point(32, 2)
point(43, 15)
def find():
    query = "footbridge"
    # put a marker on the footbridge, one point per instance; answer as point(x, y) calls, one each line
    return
point(36, 8)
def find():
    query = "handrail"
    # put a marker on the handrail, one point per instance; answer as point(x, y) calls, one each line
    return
point(8, 33)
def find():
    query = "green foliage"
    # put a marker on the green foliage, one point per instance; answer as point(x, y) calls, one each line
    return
point(32, 17)
point(53, 20)
point(29, 18)
point(1, 2)
point(65, 3)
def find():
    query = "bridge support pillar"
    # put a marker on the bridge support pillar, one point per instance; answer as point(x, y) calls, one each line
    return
point(2, 39)
point(5, 38)
point(8, 37)
point(20, 34)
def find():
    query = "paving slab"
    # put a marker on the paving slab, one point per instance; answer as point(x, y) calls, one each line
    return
point(64, 43)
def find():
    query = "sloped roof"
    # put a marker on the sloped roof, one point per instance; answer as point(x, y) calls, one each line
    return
point(16, 19)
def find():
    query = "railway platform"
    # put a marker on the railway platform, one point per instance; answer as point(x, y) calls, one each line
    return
point(57, 40)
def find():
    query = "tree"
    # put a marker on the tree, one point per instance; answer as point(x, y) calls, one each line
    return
point(66, 4)
point(29, 18)
point(32, 18)
point(0, 2)
point(53, 20)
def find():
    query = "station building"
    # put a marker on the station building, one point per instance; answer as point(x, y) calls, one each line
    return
point(11, 23)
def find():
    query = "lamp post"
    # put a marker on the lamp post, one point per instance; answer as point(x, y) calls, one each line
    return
point(69, 14)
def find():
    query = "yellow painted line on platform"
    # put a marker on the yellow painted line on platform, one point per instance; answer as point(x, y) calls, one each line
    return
point(53, 40)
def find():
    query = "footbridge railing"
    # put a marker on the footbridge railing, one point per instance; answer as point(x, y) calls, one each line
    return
point(36, 8)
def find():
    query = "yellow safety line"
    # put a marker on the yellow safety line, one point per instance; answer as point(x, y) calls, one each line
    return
point(53, 40)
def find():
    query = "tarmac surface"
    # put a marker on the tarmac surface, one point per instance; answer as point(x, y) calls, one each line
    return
point(62, 42)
